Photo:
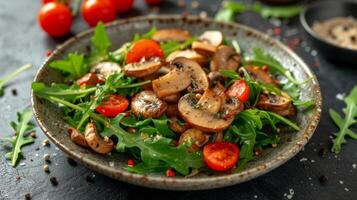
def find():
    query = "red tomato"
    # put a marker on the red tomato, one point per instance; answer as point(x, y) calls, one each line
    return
point(170, 173)
point(55, 19)
point(90, 79)
point(47, 1)
point(122, 6)
point(153, 2)
point(94, 11)
point(144, 48)
point(113, 105)
point(220, 156)
point(240, 90)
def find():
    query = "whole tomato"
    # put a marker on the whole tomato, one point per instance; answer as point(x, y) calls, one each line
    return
point(55, 19)
point(47, 1)
point(123, 6)
point(94, 11)
point(153, 2)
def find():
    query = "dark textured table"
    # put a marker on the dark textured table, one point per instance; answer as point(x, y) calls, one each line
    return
point(21, 41)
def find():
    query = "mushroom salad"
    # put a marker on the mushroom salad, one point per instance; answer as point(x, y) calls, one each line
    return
point(175, 102)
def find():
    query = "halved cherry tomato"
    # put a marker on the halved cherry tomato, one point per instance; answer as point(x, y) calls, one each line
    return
point(122, 6)
point(220, 156)
point(144, 48)
point(90, 79)
point(240, 90)
point(55, 19)
point(112, 105)
point(94, 11)
point(153, 2)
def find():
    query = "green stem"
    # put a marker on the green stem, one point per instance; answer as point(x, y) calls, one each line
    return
point(286, 121)
point(14, 74)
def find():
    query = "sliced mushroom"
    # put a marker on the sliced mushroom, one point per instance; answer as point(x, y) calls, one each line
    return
point(225, 57)
point(273, 102)
point(77, 137)
point(173, 98)
point(218, 137)
point(190, 54)
point(199, 118)
point(142, 69)
point(218, 89)
point(198, 77)
point(214, 78)
point(176, 127)
point(289, 112)
point(105, 69)
point(204, 48)
point(210, 102)
point(231, 107)
point(185, 73)
point(259, 74)
point(174, 34)
point(212, 37)
point(147, 105)
point(172, 110)
point(96, 142)
point(194, 137)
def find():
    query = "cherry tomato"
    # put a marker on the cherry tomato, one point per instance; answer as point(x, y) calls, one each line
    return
point(47, 1)
point(220, 156)
point(170, 173)
point(94, 11)
point(144, 48)
point(122, 6)
point(240, 90)
point(90, 79)
point(55, 19)
point(112, 105)
point(153, 2)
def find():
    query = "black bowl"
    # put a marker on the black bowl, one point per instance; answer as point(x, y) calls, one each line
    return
point(322, 11)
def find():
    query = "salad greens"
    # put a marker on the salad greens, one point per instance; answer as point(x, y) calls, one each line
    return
point(10, 76)
point(171, 46)
point(20, 139)
point(73, 66)
point(345, 123)
point(231, 9)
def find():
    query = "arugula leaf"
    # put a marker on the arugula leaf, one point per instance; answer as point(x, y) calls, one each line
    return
point(153, 150)
point(73, 66)
point(10, 76)
point(230, 10)
point(171, 46)
point(344, 123)
point(100, 45)
point(147, 35)
point(20, 139)
point(63, 91)
point(144, 168)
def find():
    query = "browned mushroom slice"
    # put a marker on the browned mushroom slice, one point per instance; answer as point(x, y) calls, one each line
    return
point(96, 142)
point(198, 77)
point(212, 37)
point(186, 73)
point(194, 137)
point(210, 102)
point(77, 137)
point(225, 57)
point(231, 107)
point(172, 110)
point(273, 102)
point(105, 69)
point(173, 82)
point(173, 98)
point(288, 112)
point(199, 118)
point(259, 74)
point(204, 48)
point(142, 69)
point(190, 54)
point(147, 105)
point(173, 34)
point(176, 127)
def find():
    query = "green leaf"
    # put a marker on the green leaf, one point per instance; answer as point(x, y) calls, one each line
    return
point(171, 46)
point(225, 15)
point(20, 140)
point(144, 168)
point(230, 10)
point(162, 127)
point(280, 11)
point(100, 45)
point(147, 35)
point(11, 76)
point(344, 124)
point(73, 66)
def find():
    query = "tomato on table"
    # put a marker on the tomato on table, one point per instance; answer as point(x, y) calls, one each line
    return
point(240, 90)
point(221, 156)
point(144, 48)
point(122, 6)
point(47, 1)
point(112, 105)
point(90, 79)
point(94, 11)
point(55, 19)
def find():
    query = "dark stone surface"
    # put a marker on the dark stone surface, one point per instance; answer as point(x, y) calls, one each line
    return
point(21, 41)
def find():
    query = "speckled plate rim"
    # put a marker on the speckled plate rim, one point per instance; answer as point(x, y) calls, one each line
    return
point(162, 182)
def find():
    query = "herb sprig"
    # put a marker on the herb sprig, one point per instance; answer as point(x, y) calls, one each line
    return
point(11, 76)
